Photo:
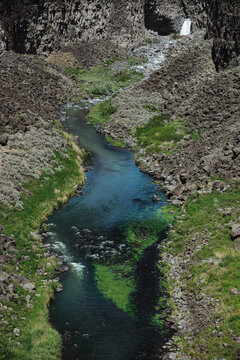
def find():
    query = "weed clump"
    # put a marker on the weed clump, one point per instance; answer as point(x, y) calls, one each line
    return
point(101, 112)
point(160, 135)
point(102, 80)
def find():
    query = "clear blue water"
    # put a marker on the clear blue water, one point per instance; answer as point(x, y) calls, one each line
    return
point(92, 327)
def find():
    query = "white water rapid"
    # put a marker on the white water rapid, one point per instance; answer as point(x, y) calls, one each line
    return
point(186, 28)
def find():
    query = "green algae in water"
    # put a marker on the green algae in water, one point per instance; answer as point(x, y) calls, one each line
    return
point(116, 278)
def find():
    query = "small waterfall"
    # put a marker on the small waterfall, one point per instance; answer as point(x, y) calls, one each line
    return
point(186, 28)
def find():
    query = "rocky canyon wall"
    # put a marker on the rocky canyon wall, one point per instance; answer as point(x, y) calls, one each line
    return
point(224, 27)
point(41, 26)
point(221, 18)
point(33, 26)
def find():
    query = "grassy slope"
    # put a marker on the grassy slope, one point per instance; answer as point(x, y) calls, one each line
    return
point(37, 340)
point(204, 215)
point(103, 80)
point(159, 135)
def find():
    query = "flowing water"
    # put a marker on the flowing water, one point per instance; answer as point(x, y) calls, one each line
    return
point(186, 27)
point(92, 327)
point(86, 229)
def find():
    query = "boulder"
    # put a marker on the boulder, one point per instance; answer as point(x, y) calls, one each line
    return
point(156, 198)
point(29, 286)
point(16, 332)
point(3, 276)
point(3, 139)
point(235, 233)
point(234, 291)
point(177, 190)
point(236, 151)
point(170, 356)
point(219, 185)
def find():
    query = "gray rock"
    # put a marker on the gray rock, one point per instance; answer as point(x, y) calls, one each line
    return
point(234, 291)
point(236, 151)
point(16, 332)
point(235, 233)
point(177, 190)
point(218, 185)
point(3, 139)
point(29, 286)
point(3, 276)
point(170, 356)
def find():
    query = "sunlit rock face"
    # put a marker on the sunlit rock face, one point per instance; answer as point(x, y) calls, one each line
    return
point(33, 26)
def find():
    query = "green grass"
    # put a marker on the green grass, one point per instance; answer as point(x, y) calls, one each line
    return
point(150, 108)
point(114, 142)
point(115, 277)
point(148, 41)
point(203, 218)
point(101, 112)
point(160, 135)
point(101, 80)
point(136, 61)
point(37, 339)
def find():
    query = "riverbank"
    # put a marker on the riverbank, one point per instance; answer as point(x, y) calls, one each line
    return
point(182, 124)
point(44, 167)
point(41, 167)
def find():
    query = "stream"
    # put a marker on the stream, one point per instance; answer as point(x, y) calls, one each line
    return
point(85, 230)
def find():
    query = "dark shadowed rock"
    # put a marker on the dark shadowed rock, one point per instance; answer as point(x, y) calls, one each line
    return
point(3, 139)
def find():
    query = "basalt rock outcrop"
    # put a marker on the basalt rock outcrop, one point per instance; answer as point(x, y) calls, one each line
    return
point(224, 26)
point(222, 21)
point(31, 26)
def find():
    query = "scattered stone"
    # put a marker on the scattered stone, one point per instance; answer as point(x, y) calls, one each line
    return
point(16, 332)
point(29, 286)
point(177, 190)
point(235, 233)
point(4, 276)
point(3, 139)
point(170, 356)
point(156, 198)
point(219, 185)
point(237, 245)
point(234, 291)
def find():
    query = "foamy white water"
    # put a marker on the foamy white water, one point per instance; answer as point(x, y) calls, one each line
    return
point(79, 268)
point(186, 28)
point(59, 246)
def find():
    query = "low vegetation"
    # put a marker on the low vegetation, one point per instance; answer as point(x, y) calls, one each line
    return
point(133, 61)
point(114, 142)
point(37, 339)
point(160, 135)
point(102, 80)
point(214, 271)
point(101, 112)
